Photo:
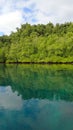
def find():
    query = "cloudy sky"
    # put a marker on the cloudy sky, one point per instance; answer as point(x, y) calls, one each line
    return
point(13, 13)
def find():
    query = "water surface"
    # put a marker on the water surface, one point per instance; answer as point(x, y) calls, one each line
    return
point(36, 97)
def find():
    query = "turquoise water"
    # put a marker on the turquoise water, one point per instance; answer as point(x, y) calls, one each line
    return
point(36, 97)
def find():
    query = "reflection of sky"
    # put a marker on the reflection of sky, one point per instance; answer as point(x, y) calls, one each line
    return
point(33, 114)
point(8, 99)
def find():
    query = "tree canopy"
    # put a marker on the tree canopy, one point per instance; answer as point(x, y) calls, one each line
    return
point(38, 43)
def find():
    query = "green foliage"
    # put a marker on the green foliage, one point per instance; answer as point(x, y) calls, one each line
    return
point(38, 43)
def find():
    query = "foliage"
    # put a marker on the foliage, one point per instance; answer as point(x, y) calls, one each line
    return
point(38, 43)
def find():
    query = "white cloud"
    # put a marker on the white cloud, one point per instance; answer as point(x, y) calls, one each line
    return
point(10, 21)
point(15, 12)
point(11, 15)
point(54, 11)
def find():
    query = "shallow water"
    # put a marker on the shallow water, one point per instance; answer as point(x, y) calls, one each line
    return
point(36, 97)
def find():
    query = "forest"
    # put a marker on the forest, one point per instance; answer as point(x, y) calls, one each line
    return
point(38, 44)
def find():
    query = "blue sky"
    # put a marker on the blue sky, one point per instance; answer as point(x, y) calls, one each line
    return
point(13, 13)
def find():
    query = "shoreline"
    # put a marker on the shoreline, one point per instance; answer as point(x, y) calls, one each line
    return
point(36, 63)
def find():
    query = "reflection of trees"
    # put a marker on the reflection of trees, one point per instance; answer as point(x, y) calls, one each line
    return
point(30, 81)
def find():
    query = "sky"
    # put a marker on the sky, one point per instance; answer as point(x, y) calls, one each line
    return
point(13, 13)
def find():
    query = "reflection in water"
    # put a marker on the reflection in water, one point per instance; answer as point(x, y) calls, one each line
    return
point(36, 97)
point(9, 100)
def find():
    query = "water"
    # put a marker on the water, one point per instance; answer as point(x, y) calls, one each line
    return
point(36, 97)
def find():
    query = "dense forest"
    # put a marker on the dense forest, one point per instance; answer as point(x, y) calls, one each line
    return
point(38, 44)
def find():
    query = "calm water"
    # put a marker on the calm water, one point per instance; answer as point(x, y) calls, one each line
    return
point(36, 97)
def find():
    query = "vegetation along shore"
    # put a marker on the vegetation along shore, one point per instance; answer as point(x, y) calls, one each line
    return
point(38, 44)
